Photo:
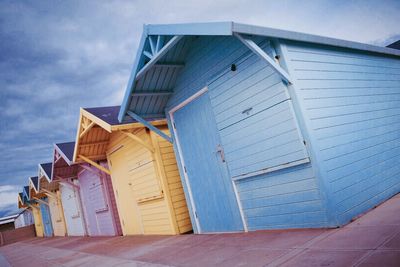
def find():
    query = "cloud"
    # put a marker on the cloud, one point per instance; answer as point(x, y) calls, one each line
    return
point(58, 56)
point(9, 196)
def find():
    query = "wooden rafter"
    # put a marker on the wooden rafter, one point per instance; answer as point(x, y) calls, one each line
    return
point(40, 201)
point(139, 140)
point(32, 206)
point(98, 166)
point(94, 143)
point(156, 56)
point(50, 194)
point(261, 53)
point(86, 125)
point(70, 184)
point(149, 126)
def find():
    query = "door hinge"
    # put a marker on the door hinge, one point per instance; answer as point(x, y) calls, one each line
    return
point(184, 168)
point(195, 214)
point(304, 142)
point(174, 125)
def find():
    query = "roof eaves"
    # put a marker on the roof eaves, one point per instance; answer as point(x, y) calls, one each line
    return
point(305, 37)
point(63, 155)
point(205, 28)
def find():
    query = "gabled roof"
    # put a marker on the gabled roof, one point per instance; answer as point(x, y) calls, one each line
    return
point(94, 129)
point(107, 114)
point(26, 192)
point(395, 45)
point(46, 169)
point(66, 150)
point(35, 182)
point(153, 75)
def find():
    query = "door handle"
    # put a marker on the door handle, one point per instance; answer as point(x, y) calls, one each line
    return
point(221, 152)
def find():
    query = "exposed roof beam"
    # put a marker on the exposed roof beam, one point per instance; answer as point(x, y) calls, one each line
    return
point(159, 54)
point(169, 65)
point(149, 125)
point(94, 143)
point(86, 129)
point(160, 42)
point(50, 194)
point(152, 93)
point(258, 51)
point(139, 140)
point(40, 201)
point(68, 183)
point(98, 166)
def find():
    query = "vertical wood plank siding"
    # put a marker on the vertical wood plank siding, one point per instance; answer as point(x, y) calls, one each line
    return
point(264, 136)
point(57, 216)
point(37, 217)
point(72, 210)
point(351, 103)
point(135, 178)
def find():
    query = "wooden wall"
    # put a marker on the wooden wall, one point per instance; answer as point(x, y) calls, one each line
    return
point(350, 102)
point(144, 205)
point(72, 209)
point(57, 215)
point(258, 130)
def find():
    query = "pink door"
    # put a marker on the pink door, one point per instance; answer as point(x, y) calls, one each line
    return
point(96, 200)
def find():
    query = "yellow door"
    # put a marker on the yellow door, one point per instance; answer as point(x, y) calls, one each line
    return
point(38, 222)
point(57, 216)
point(126, 201)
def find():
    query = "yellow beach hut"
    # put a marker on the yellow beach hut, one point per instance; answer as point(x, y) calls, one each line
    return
point(51, 189)
point(145, 177)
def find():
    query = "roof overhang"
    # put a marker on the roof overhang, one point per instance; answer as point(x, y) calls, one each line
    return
point(230, 28)
point(152, 47)
point(93, 134)
point(62, 166)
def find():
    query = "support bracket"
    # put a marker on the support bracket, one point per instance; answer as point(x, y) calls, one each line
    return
point(149, 125)
point(139, 140)
point(258, 51)
point(40, 201)
point(98, 166)
point(157, 54)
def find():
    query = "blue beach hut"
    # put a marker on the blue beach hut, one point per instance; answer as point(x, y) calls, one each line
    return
point(271, 128)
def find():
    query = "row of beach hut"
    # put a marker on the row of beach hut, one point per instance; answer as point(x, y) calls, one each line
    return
point(226, 127)
point(116, 178)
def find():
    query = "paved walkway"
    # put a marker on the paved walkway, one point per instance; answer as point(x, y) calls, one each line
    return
point(372, 240)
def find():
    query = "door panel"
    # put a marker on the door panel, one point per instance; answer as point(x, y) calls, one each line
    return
point(72, 211)
point(46, 219)
point(209, 180)
point(126, 200)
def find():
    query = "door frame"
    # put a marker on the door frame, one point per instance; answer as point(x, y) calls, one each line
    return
point(182, 161)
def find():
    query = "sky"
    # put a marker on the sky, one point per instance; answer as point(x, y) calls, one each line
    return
point(58, 56)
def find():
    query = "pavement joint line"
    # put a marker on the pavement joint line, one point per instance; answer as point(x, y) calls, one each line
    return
point(301, 249)
point(93, 255)
point(376, 248)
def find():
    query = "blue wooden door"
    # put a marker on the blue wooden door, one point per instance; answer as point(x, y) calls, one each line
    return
point(45, 211)
point(209, 180)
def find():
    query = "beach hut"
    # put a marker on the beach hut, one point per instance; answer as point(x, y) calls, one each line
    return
point(145, 177)
point(43, 203)
point(98, 201)
point(24, 218)
point(34, 207)
point(51, 189)
point(65, 173)
point(271, 128)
